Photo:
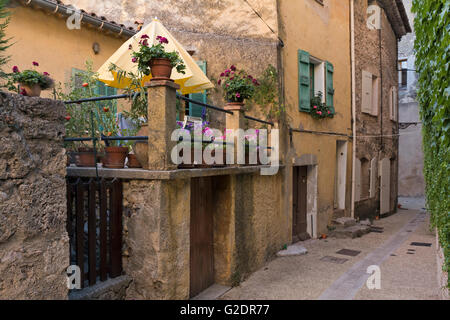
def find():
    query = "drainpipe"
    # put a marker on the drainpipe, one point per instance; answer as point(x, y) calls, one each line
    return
point(68, 11)
point(352, 57)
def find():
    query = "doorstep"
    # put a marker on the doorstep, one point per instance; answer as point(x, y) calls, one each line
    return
point(212, 293)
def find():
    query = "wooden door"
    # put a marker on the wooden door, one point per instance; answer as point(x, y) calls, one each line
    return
point(201, 236)
point(299, 224)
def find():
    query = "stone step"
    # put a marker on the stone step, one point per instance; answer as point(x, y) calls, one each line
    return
point(338, 213)
point(344, 221)
point(352, 232)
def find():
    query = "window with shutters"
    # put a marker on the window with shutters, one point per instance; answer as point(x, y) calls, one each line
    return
point(393, 103)
point(370, 102)
point(314, 76)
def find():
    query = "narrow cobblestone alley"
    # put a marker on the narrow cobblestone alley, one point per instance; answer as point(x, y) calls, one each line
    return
point(407, 271)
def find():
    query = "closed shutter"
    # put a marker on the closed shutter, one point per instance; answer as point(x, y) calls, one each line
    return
point(330, 86)
point(393, 103)
point(366, 98)
point(196, 110)
point(304, 94)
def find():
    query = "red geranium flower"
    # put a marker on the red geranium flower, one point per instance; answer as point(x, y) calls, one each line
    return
point(233, 68)
point(134, 59)
point(144, 36)
point(35, 64)
point(46, 74)
point(15, 69)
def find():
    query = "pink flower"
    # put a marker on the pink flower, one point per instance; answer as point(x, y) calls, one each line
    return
point(145, 42)
point(35, 64)
point(219, 82)
point(315, 107)
point(23, 92)
point(250, 77)
point(162, 39)
point(233, 68)
point(255, 82)
point(134, 59)
point(329, 112)
point(46, 74)
point(320, 112)
point(144, 36)
point(15, 69)
point(238, 95)
point(222, 74)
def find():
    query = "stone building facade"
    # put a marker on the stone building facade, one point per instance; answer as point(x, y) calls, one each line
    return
point(376, 105)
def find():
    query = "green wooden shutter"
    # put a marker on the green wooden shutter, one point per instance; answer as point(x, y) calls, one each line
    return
point(196, 110)
point(329, 86)
point(304, 94)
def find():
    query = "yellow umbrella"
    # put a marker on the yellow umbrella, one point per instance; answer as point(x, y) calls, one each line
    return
point(194, 80)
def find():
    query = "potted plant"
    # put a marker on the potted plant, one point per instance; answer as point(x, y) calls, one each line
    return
point(155, 60)
point(320, 110)
point(237, 86)
point(31, 82)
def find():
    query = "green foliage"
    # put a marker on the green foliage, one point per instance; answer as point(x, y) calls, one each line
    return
point(432, 27)
point(156, 51)
point(30, 78)
point(4, 42)
point(137, 93)
point(267, 94)
point(319, 110)
point(84, 85)
point(237, 85)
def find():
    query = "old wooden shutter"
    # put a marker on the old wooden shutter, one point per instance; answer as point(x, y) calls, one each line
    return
point(329, 86)
point(196, 110)
point(393, 103)
point(303, 81)
point(366, 94)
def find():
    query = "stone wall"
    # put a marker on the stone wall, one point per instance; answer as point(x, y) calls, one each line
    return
point(376, 52)
point(34, 246)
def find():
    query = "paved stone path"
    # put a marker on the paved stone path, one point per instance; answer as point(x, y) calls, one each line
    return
point(407, 272)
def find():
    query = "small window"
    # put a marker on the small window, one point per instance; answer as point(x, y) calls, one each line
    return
point(403, 67)
point(314, 76)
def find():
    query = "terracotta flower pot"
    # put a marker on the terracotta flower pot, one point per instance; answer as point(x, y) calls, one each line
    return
point(133, 162)
point(161, 69)
point(115, 157)
point(32, 91)
point(140, 148)
point(85, 157)
point(234, 105)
